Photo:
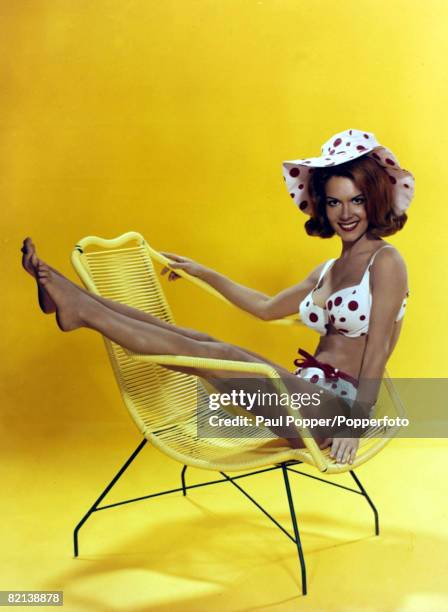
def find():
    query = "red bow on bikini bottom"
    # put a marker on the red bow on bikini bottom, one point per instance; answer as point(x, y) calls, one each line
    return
point(329, 371)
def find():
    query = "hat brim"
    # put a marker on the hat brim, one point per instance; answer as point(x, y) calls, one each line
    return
point(296, 174)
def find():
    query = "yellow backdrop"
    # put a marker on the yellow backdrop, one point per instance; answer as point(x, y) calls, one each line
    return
point(172, 118)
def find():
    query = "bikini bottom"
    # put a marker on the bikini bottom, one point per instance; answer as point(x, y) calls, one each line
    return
point(326, 376)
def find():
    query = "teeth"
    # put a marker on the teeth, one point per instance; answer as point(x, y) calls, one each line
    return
point(348, 225)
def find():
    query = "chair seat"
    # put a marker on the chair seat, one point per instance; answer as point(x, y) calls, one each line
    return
point(239, 454)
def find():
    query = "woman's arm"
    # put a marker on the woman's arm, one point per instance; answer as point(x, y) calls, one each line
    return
point(389, 286)
point(267, 308)
point(287, 301)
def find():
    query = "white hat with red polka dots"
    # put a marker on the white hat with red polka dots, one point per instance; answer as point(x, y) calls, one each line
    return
point(341, 148)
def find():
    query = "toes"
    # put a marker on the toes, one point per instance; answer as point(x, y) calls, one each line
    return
point(26, 246)
point(42, 269)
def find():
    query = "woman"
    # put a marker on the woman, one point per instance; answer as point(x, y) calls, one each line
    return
point(355, 190)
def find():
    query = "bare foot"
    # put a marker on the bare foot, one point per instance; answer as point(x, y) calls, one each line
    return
point(70, 302)
point(29, 262)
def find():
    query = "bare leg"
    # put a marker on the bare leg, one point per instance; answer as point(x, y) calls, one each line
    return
point(75, 309)
point(30, 261)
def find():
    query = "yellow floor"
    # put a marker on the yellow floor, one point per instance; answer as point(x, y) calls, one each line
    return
point(213, 550)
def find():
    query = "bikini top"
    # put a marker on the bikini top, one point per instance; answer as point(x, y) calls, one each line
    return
point(348, 309)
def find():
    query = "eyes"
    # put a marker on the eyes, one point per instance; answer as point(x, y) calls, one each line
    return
point(359, 200)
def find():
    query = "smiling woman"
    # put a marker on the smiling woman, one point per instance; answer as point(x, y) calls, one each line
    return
point(368, 188)
point(356, 190)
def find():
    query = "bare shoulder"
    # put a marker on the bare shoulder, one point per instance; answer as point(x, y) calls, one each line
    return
point(389, 255)
point(389, 265)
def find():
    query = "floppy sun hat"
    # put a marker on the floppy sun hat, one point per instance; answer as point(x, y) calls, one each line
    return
point(341, 148)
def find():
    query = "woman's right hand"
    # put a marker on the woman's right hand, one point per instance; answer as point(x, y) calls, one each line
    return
point(182, 263)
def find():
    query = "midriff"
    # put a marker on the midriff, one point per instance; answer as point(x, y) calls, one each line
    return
point(347, 353)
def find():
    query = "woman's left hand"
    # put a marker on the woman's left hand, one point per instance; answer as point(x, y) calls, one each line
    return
point(344, 449)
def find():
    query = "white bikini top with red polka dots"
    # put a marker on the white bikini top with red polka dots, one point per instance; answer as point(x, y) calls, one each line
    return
point(348, 309)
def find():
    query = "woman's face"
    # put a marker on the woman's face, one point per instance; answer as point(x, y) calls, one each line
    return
point(346, 208)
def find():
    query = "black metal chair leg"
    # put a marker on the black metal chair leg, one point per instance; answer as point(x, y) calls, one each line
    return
point(182, 476)
point(296, 529)
point(369, 501)
point(104, 493)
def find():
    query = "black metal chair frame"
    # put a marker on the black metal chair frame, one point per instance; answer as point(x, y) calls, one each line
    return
point(285, 467)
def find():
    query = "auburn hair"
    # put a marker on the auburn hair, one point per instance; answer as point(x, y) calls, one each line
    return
point(372, 180)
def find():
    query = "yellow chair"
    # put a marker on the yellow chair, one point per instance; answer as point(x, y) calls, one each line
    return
point(167, 406)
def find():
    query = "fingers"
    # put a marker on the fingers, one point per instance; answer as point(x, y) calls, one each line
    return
point(179, 263)
point(174, 264)
point(335, 447)
point(182, 263)
point(172, 256)
point(172, 275)
point(325, 443)
point(343, 450)
point(351, 456)
point(346, 454)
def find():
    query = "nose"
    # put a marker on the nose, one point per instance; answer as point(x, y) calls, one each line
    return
point(348, 211)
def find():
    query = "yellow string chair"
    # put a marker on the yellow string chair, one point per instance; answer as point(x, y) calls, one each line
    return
point(167, 405)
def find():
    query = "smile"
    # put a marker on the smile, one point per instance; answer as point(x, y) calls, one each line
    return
point(348, 227)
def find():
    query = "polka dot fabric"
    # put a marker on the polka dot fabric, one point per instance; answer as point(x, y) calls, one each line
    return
point(327, 377)
point(338, 386)
point(347, 310)
point(342, 148)
point(312, 315)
